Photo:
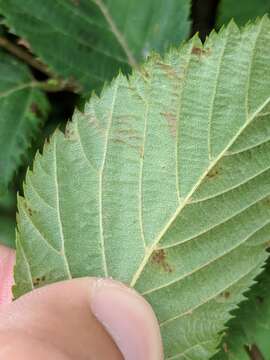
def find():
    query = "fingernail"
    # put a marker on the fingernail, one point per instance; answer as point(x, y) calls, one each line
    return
point(128, 318)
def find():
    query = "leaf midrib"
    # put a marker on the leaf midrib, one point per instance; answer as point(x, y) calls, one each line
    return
point(180, 208)
point(117, 33)
point(101, 175)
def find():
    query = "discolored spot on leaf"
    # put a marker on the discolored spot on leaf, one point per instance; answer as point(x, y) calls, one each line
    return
point(38, 281)
point(159, 258)
point(70, 133)
point(168, 69)
point(213, 173)
point(223, 296)
point(200, 51)
point(226, 294)
point(267, 200)
point(29, 209)
point(172, 121)
point(36, 110)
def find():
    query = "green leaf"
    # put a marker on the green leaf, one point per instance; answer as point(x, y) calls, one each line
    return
point(8, 202)
point(94, 38)
point(7, 231)
point(22, 109)
point(249, 331)
point(162, 183)
point(241, 10)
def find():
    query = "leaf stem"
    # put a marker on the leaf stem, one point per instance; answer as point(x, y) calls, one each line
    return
point(23, 55)
point(53, 84)
point(119, 36)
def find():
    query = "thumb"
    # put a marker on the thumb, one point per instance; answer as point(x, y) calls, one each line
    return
point(84, 319)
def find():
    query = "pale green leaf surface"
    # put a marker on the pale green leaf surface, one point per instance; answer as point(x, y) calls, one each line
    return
point(249, 331)
point(241, 11)
point(94, 38)
point(162, 184)
point(22, 110)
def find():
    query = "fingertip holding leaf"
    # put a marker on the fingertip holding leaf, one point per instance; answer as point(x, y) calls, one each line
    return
point(169, 209)
point(7, 260)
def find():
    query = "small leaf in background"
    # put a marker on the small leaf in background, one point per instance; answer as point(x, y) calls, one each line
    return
point(241, 11)
point(88, 40)
point(249, 331)
point(162, 183)
point(22, 111)
point(7, 231)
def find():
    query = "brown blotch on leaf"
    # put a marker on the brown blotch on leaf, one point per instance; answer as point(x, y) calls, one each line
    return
point(69, 133)
point(35, 110)
point(168, 69)
point(213, 173)
point(254, 352)
point(159, 258)
point(39, 280)
point(267, 200)
point(225, 295)
point(200, 51)
point(29, 210)
point(76, 2)
point(172, 121)
point(36, 281)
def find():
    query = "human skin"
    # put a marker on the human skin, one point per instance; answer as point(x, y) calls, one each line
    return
point(80, 319)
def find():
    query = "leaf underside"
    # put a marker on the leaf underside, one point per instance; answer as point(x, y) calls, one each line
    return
point(94, 38)
point(162, 183)
point(22, 110)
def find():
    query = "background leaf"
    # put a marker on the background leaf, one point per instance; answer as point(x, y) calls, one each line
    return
point(162, 183)
point(7, 219)
point(241, 11)
point(249, 331)
point(94, 38)
point(23, 108)
point(7, 231)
